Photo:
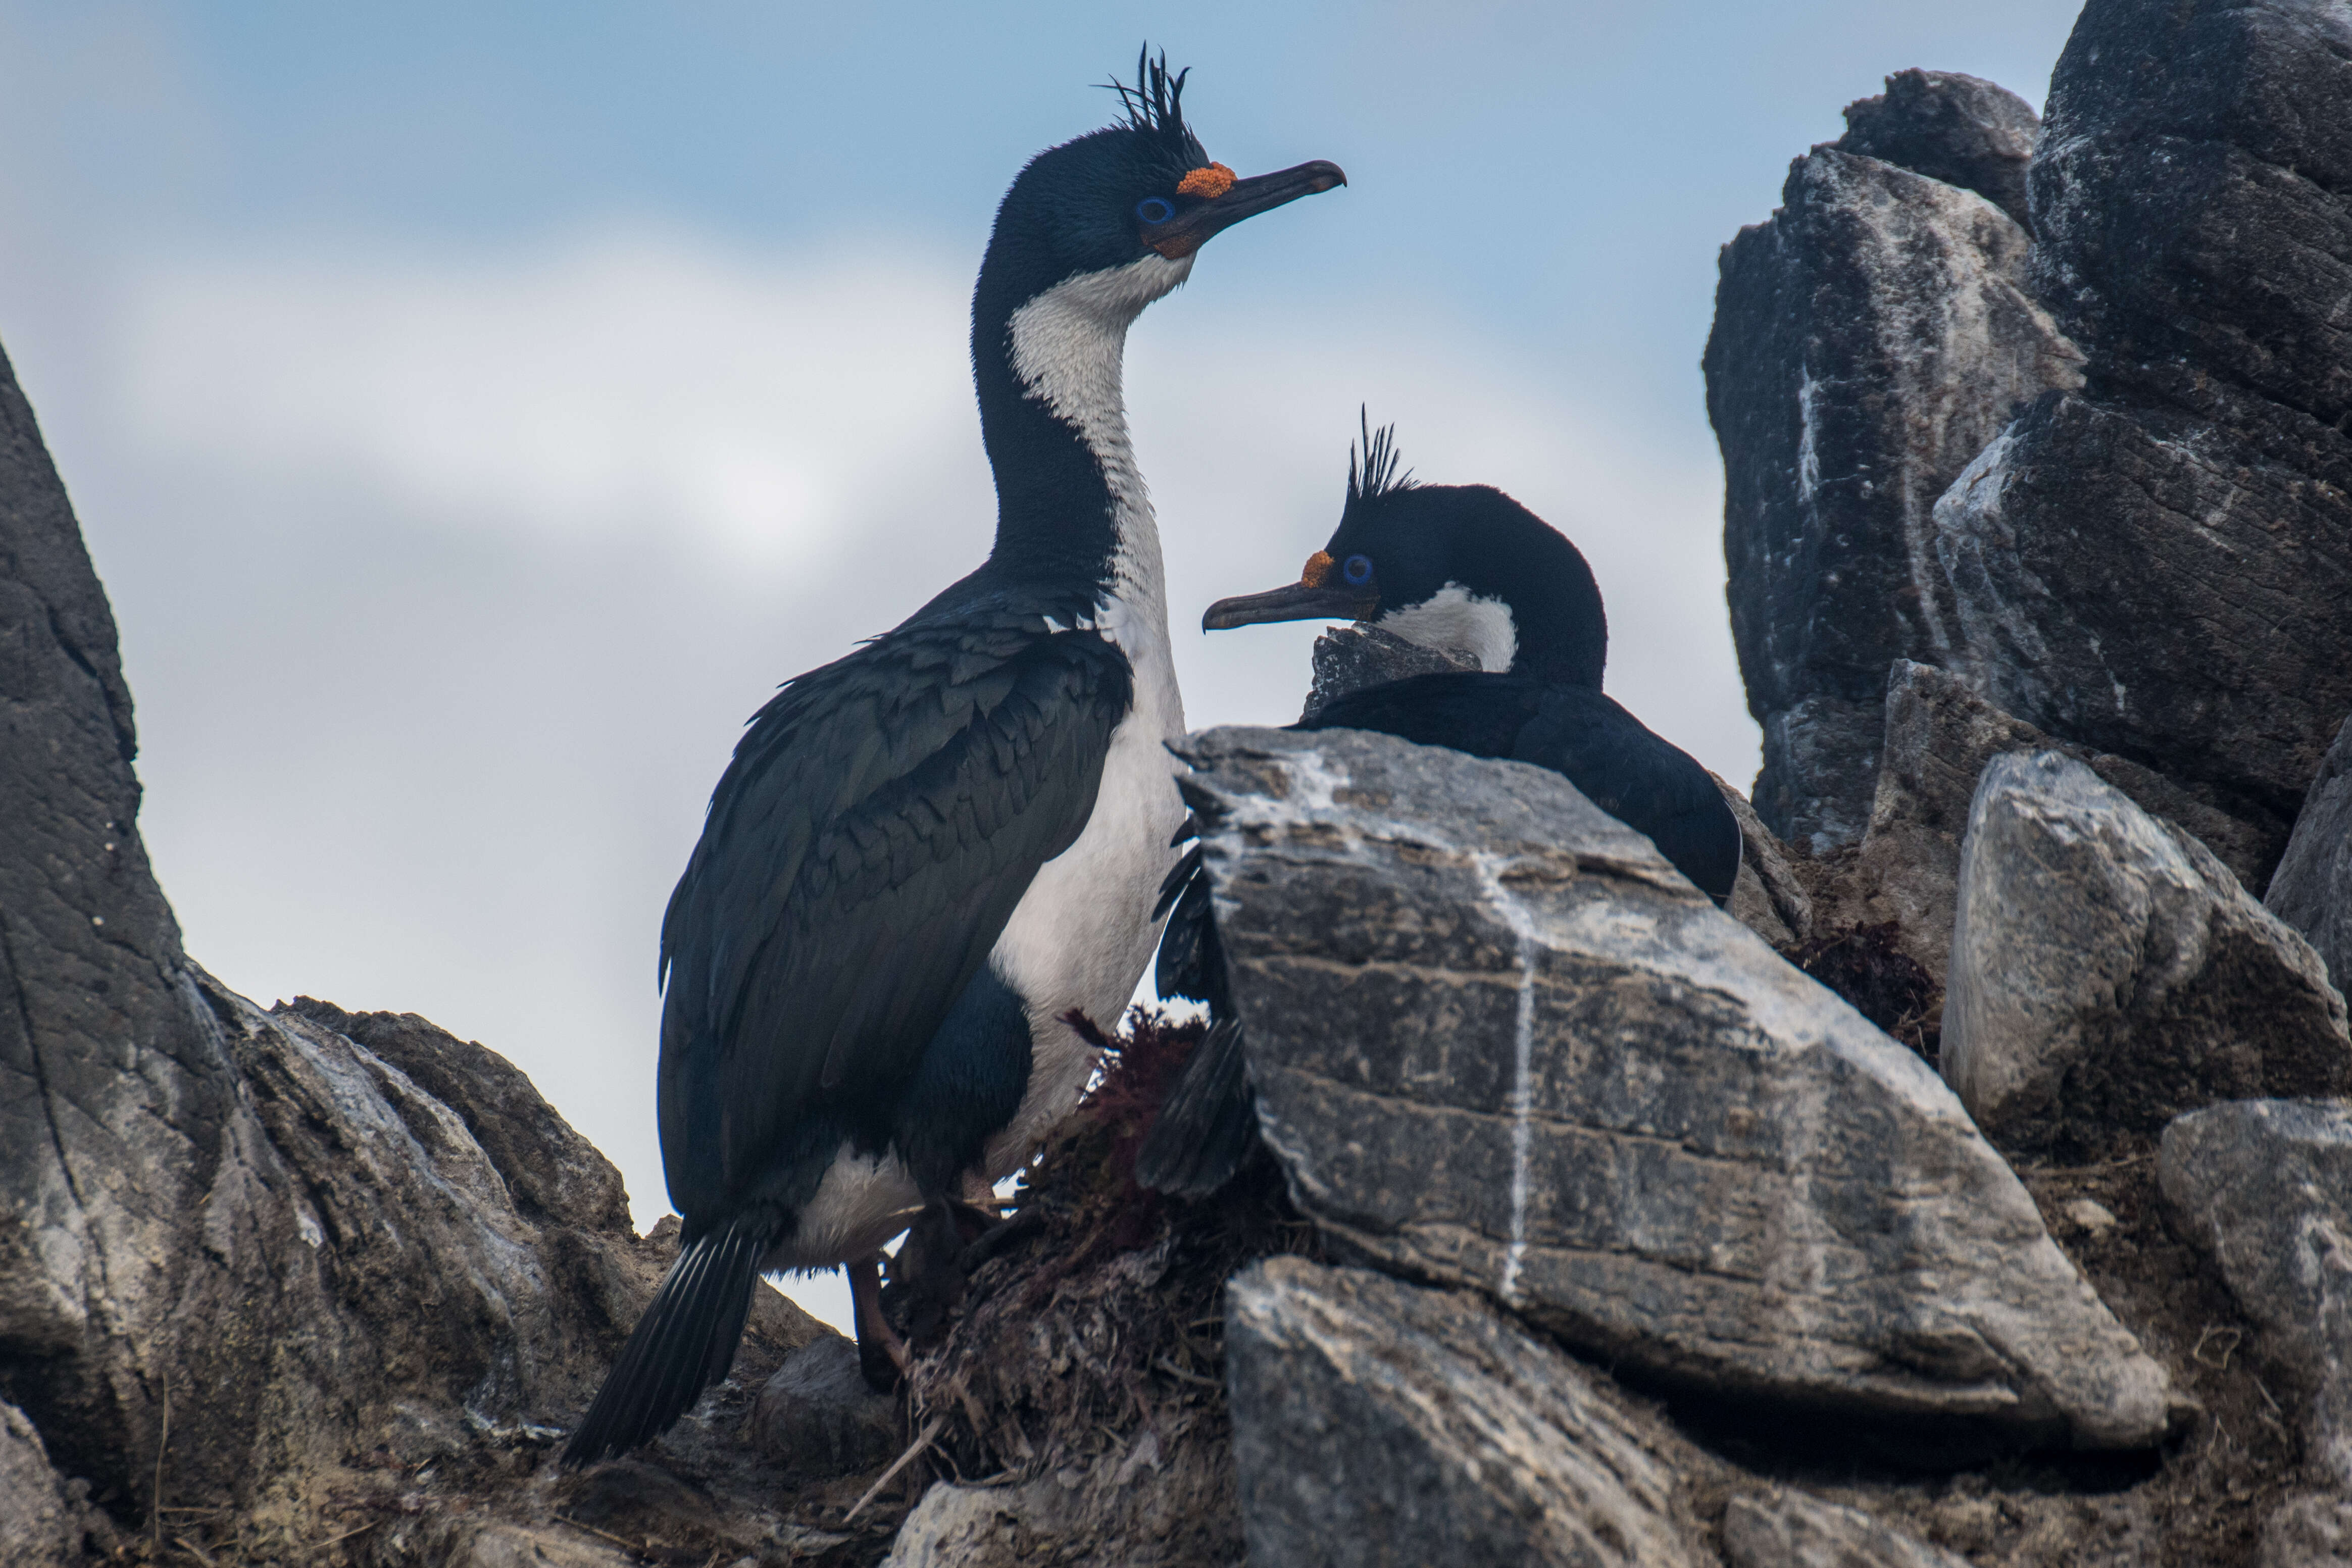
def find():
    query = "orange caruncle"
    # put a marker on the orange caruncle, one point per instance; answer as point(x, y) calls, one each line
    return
point(1212, 182)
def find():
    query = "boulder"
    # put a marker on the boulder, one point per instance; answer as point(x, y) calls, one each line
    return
point(818, 1415)
point(2157, 565)
point(555, 1175)
point(1376, 1422)
point(1137, 1504)
point(2164, 585)
point(2238, 117)
point(238, 1249)
point(2312, 890)
point(1939, 736)
point(1349, 658)
point(44, 1522)
point(2310, 1529)
point(119, 1113)
point(1769, 897)
point(1961, 129)
point(1869, 339)
point(2109, 973)
point(1496, 1043)
point(1793, 1529)
point(2264, 1188)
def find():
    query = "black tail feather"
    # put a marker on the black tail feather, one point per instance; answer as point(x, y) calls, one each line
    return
point(1191, 963)
point(1208, 1126)
point(684, 1343)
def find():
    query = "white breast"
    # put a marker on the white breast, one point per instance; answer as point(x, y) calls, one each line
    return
point(1081, 937)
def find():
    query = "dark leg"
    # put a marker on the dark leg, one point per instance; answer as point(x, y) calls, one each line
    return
point(881, 1354)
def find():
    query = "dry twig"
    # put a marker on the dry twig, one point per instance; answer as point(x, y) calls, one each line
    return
point(938, 1424)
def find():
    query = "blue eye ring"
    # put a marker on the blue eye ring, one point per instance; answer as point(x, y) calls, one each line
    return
point(1155, 210)
point(1357, 570)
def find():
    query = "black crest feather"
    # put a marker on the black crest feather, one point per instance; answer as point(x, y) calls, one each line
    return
point(1155, 104)
point(1377, 475)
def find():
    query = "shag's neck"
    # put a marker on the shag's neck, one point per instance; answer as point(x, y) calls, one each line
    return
point(1070, 502)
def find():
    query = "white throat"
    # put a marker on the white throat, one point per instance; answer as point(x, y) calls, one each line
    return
point(1084, 932)
point(1454, 622)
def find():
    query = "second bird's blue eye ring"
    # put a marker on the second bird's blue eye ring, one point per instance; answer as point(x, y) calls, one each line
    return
point(1357, 570)
point(1155, 209)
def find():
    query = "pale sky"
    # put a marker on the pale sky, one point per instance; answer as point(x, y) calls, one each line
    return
point(475, 412)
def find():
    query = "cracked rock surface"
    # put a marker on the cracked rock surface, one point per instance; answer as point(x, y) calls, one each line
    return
point(1869, 339)
point(1939, 737)
point(1376, 1422)
point(2156, 565)
point(2313, 888)
point(1497, 1044)
point(2109, 973)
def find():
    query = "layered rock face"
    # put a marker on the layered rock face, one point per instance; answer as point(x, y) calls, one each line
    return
point(1869, 340)
point(247, 1260)
point(1940, 737)
point(1377, 1423)
point(2312, 890)
point(1497, 1043)
point(2108, 973)
point(2152, 558)
point(2261, 1187)
point(120, 1112)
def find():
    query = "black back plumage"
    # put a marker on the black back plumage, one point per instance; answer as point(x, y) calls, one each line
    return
point(1401, 545)
point(1613, 760)
point(878, 823)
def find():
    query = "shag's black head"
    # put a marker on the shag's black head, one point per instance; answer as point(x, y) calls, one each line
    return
point(1144, 186)
point(1460, 566)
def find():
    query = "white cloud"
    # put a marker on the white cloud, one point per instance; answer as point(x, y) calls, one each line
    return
point(446, 579)
point(629, 381)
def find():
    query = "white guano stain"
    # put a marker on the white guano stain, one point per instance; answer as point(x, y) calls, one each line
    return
point(1514, 914)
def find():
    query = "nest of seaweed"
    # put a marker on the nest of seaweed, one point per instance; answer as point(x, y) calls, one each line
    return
point(1105, 1318)
point(1867, 965)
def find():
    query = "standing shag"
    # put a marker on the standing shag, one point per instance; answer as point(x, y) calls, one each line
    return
point(933, 863)
point(1466, 569)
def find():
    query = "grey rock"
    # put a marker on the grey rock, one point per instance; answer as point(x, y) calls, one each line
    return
point(1794, 1530)
point(119, 1117)
point(2190, 196)
point(2308, 1530)
point(2109, 973)
point(251, 1219)
point(1496, 1043)
point(1961, 129)
point(1868, 341)
point(2158, 566)
point(2312, 890)
point(555, 1175)
point(1375, 1423)
point(44, 1520)
point(1769, 897)
point(819, 1416)
point(2264, 1188)
point(1137, 1505)
point(456, 1540)
point(2164, 585)
point(969, 1527)
point(1939, 736)
point(444, 1307)
point(1350, 658)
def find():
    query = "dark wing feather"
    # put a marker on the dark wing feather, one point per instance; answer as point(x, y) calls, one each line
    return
point(1608, 754)
point(881, 819)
